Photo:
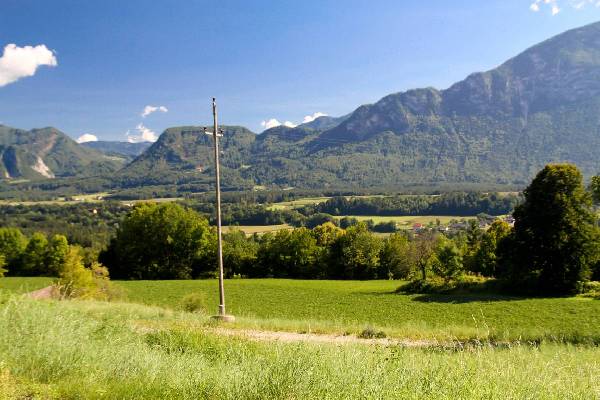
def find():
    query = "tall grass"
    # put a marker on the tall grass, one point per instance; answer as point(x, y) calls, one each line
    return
point(76, 349)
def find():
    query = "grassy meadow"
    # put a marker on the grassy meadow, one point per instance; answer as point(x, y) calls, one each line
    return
point(348, 307)
point(96, 350)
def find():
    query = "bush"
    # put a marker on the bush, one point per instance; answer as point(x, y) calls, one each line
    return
point(77, 281)
point(194, 302)
point(370, 333)
point(464, 284)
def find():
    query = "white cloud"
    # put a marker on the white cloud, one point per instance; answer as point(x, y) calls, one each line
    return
point(141, 134)
point(555, 5)
point(272, 123)
point(20, 62)
point(87, 137)
point(151, 109)
point(311, 118)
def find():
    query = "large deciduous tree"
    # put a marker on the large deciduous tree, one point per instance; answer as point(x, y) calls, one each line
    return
point(556, 240)
point(161, 241)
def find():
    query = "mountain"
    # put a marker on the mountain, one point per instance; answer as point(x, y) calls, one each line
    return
point(48, 153)
point(325, 122)
point(493, 128)
point(113, 148)
point(183, 154)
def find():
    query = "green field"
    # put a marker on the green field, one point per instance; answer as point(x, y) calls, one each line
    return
point(92, 350)
point(287, 205)
point(406, 222)
point(350, 306)
point(24, 285)
point(252, 229)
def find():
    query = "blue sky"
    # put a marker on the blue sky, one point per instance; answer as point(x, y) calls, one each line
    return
point(263, 60)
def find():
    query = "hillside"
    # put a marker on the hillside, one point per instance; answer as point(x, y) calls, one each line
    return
point(48, 153)
point(495, 127)
point(119, 149)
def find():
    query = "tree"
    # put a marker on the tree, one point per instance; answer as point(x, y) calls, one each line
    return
point(290, 254)
point(423, 249)
point(555, 241)
point(2, 265)
point(448, 259)
point(396, 257)
point(356, 253)
point(33, 259)
point(12, 245)
point(74, 280)
point(57, 250)
point(239, 253)
point(595, 189)
point(161, 241)
point(485, 259)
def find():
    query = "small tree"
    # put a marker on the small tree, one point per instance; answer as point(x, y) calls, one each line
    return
point(58, 247)
point(396, 258)
point(33, 259)
point(74, 280)
point(423, 249)
point(485, 259)
point(12, 245)
point(2, 265)
point(449, 261)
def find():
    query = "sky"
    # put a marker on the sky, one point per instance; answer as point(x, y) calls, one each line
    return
point(127, 70)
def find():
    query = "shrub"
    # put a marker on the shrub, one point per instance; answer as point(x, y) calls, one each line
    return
point(371, 333)
point(194, 302)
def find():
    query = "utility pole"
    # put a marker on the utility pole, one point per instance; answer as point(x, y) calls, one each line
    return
point(222, 316)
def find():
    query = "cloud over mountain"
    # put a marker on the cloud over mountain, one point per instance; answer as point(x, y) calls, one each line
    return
point(87, 137)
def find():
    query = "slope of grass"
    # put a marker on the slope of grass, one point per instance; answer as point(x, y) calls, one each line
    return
point(23, 285)
point(349, 306)
point(69, 350)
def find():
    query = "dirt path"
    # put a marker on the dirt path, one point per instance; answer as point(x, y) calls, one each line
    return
point(287, 337)
point(44, 293)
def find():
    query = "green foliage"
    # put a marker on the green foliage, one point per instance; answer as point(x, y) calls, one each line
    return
point(58, 248)
point(161, 241)
point(485, 257)
point(2, 265)
point(239, 253)
point(74, 280)
point(12, 245)
point(34, 257)
point(397, 258)
point(77, 281)
point(194, 302)
point(356, 254)
point(448, 262)
point(556, 240)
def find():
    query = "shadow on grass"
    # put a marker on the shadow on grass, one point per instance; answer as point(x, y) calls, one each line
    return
point(462, 298)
